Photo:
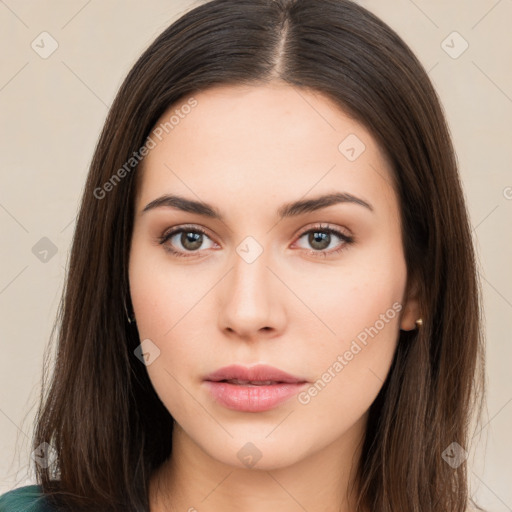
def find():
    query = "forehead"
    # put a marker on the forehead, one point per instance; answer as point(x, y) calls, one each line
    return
point(265, 140)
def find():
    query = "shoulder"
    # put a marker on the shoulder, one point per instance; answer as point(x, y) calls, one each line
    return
point(24, 499)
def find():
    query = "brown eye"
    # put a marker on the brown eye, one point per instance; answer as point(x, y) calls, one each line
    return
point(190, 240)
point(184, 240)
point(319, 239)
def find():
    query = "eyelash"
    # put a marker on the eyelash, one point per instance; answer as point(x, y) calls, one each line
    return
point(347, 240)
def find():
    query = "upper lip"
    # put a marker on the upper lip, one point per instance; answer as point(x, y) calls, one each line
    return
point(257, 373)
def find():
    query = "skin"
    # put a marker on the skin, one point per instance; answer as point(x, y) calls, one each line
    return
point(247, 150)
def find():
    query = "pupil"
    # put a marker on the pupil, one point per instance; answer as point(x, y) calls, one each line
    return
point(316, 238)
point(191, 240)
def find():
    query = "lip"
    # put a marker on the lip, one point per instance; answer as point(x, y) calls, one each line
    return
point(259, 372)
point(247, 397)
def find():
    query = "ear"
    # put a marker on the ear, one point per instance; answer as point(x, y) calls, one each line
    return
point(411, 311)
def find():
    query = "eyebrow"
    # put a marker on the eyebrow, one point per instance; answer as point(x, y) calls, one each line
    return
point(287, 210)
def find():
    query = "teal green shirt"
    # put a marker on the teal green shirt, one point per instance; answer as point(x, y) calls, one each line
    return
point(24, 499)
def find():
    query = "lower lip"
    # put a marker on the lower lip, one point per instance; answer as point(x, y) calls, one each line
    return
point(252, 398)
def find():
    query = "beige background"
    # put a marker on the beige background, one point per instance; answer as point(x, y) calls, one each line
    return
point(52, 111)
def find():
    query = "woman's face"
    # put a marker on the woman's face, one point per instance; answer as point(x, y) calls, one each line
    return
point(264, 281)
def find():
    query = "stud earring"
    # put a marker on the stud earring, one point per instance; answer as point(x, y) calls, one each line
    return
point(419, 323)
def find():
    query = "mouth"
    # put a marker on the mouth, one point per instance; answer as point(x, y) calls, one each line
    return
point(257, 375)
point(252, 389)
point(239, 382)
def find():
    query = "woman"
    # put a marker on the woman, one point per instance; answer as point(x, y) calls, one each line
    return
point(272, 298)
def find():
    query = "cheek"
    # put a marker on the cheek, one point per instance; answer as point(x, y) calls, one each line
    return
point(360, 310)
point(349, 302)
point(169, 305)
point(163, 296)
point(350, 369)
point(163, 303)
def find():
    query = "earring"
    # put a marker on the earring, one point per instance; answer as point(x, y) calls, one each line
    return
point(419, 323)
point(129, 317)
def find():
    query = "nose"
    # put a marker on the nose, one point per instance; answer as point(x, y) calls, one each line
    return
point(252, 299)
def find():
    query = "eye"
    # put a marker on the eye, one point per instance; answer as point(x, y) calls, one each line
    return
point(321, 238)
point(191, 240)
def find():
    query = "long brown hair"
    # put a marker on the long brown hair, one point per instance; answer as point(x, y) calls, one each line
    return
point(100, 412)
